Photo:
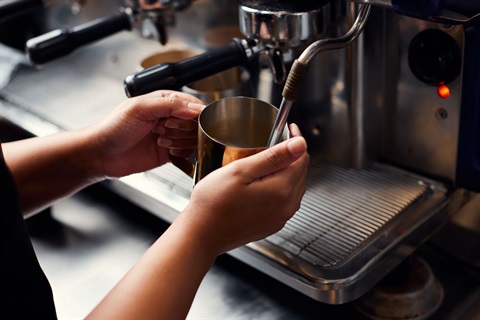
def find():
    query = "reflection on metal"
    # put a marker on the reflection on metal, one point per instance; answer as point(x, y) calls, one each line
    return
point(282, 27)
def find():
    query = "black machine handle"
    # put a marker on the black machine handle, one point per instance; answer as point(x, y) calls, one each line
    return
point(60, 42)
point(8, 8)
point(174, 76)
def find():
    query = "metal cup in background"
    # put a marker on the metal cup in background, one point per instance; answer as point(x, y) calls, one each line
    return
point(230, 129)
point(229, 83)
point(168, 56)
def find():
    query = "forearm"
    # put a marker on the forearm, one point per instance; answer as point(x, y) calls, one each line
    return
point(48, 168)
point(249, 206)
point(163, 284)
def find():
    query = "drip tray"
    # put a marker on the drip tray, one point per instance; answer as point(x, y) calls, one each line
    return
point(353, 228)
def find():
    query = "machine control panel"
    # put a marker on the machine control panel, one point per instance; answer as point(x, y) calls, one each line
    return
point(434, 57)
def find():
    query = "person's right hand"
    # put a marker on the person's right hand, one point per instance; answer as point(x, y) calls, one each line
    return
point(250, 198)
point(241, 202)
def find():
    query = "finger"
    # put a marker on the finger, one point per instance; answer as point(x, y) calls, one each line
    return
point(178, 134)
point(179, 94)
point(180, 124)
point(162, 104)
point(294, 130)
point(295, 173)
point(276, 158)
point(175, 123)
point(166, 142)
point(186, 129)
point(294, 176)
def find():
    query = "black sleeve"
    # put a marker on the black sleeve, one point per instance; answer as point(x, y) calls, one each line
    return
point(25, 292)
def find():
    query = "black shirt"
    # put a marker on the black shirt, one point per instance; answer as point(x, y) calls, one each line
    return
point(25, 291)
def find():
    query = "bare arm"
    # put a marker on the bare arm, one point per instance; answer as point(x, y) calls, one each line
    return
point(48, 168)
point(257, 196)
point(162, 285)
point(247, 200)
point(135, 137)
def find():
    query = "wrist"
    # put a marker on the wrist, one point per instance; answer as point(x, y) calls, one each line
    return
point(86, 157)
point(197, 236)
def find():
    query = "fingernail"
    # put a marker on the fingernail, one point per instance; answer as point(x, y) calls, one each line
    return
point(159, 130)
point(297, 145)
point(171, 124)
point(164, 142)
point(195, 106)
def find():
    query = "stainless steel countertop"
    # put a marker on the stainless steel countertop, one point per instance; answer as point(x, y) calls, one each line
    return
point(87, 242)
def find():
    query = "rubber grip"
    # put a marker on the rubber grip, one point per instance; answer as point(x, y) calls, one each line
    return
point(174, 76)
point(61, 42)
point(293, 85)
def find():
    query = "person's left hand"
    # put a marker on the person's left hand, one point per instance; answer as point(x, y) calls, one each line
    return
point(148, 131)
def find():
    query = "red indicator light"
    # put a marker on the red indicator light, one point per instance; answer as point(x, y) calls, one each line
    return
point(443, 91)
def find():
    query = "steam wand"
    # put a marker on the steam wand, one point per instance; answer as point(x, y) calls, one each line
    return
point(300, 68)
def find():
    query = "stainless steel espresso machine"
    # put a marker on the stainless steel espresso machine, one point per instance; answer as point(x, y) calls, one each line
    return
point(389, 103)
point(385, 116)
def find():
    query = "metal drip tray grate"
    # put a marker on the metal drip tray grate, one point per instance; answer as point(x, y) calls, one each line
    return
point(342, 208)
point(354, 226)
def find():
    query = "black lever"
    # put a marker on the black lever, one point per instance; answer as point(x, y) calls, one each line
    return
point(174, 76)
point(8, 8)
point(60, 42)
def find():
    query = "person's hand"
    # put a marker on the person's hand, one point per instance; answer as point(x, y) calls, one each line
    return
point(250, 198)
point(241, 202)
point(148, 131)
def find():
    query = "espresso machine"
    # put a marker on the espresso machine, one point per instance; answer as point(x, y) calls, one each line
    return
point(386, 101)
point(387, 98)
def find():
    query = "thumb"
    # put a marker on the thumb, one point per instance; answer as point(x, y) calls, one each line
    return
point(276, 158)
